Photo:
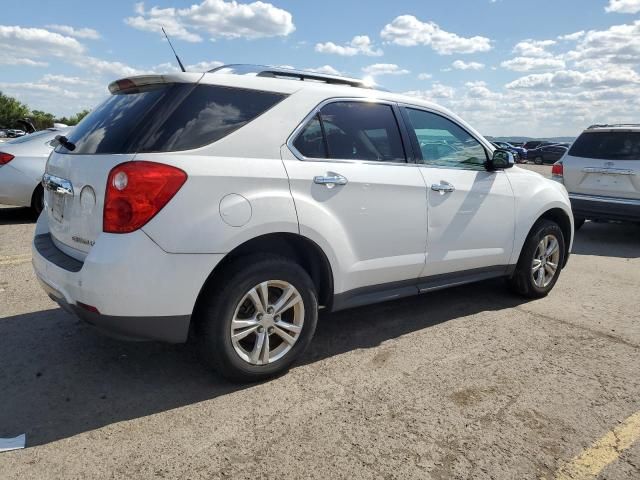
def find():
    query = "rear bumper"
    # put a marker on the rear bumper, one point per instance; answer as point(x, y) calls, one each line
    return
point(605, 208)
point(172, 329)
point(137, 290)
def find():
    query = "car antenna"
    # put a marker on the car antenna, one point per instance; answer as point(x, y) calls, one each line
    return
point(174, 50)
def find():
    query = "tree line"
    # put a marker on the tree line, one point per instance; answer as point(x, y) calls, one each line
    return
point(12, 110)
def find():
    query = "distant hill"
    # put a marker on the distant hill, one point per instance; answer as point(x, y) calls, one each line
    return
point(526, 139)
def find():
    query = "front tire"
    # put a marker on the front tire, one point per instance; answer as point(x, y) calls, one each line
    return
point(258, 320)
point(538, 161)
point(540, 262)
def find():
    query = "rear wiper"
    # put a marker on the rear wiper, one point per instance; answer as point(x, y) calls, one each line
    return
point(64, 141)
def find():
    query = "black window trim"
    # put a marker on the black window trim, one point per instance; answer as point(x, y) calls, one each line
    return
point(416, 146)
point(404, 135)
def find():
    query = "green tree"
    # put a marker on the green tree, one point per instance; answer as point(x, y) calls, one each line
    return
point(41, 120)
point(73, 119)
point(11, 110)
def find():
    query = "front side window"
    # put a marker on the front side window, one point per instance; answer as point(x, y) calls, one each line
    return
point(443, 143)
point(353, 131)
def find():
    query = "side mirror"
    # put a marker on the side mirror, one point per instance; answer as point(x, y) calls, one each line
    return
point(501, 159)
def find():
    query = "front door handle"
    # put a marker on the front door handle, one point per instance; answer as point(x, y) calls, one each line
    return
point(331, 179)
point(443, 187)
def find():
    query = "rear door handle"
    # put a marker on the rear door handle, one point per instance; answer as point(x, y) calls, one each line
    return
point(443, 187)
point(331, 179)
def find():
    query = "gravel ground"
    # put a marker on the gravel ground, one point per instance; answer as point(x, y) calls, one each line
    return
point(470, 382)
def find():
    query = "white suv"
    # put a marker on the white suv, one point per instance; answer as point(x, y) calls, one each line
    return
point(601, 172)
point(235, 204)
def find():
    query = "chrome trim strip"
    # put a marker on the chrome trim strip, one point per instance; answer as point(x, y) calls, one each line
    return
point(57, 184)
point(608, 171)
point(597, 198)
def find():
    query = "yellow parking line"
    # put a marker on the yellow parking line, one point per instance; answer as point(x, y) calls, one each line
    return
point(15, 259)
point(594, 459)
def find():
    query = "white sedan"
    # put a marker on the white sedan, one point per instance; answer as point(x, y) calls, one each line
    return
point(22, 163)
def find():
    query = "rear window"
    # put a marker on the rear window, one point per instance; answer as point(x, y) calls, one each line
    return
point(607, 145)
point(167, 118)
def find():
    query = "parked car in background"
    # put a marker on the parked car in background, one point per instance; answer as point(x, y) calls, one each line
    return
point(601, 172)
point(546, 154)
point(519, 152)
point(22, 163)
point(3, 133)
point(15, 132)
point(234, 206)
point(531, 144)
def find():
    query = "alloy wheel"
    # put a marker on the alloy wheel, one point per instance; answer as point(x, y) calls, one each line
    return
point(267, 322)
point(545, 261)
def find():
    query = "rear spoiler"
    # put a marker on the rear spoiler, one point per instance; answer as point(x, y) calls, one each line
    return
point(137, 81)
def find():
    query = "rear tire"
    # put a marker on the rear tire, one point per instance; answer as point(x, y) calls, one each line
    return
point(236, 305)
point(37, 201)
point(535, 275)
point(538, 161)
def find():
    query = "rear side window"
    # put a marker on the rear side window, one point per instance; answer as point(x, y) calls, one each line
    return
point(607, 145)
point(353, 131)
point(167, 118)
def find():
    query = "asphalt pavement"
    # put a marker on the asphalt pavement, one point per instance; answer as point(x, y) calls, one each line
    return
point(470, 382)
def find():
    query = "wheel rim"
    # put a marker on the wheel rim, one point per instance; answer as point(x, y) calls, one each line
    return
point(545, 261)
point(267, 322)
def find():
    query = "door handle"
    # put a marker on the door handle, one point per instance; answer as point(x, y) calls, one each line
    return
point(331, 179)
point(443, 187)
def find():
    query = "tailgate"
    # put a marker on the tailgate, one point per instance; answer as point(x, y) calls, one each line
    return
point(610, 178)
point(74, 198)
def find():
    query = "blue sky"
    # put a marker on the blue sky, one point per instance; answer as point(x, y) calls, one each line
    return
point(510, 67)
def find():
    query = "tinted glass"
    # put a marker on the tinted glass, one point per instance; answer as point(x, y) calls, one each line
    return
point(607, 145)
point(168, 117)
point(444, 143)
point(310, 142)
point(362, 131)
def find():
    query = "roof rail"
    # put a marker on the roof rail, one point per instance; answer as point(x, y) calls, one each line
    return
point(613, 125)
point(290, 73)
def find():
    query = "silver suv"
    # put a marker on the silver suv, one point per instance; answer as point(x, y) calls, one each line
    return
point(601, 172)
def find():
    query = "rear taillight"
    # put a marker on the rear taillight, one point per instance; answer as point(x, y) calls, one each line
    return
point(557, 170)
point(5, 158)
point(136, 192)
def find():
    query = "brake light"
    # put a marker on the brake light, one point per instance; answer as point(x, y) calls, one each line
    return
point(557, 170)
point(136, 192)
point(5, 158)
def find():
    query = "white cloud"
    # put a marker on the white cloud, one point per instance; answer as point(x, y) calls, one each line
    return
point(408, 31)
point(424, 76)
point(326, 69)
point(384, 69)
point(34, 46)
point(217, 18)
point(572, 36)
point(359, 45)
point(461, 65)
point(533, 48)
point(204, 66)
point(437, 91)
point(623, 6)
point(565, 79)
point(88, 33)
point(619, 44)
point(525, 64)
